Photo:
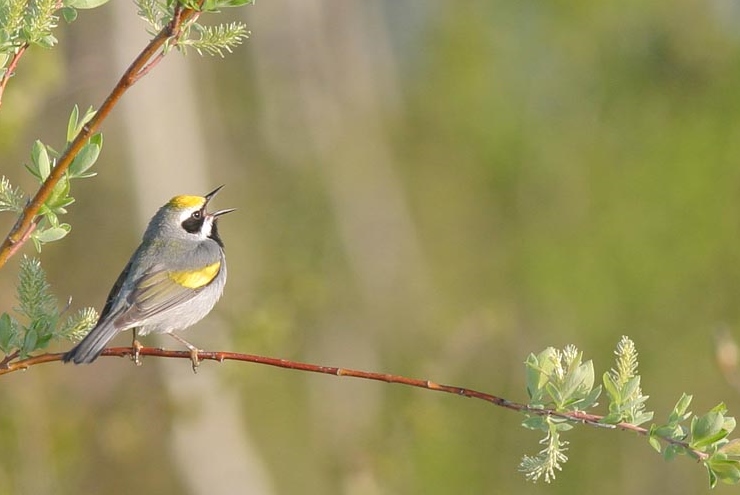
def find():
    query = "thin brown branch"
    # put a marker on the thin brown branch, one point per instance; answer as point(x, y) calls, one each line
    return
point(7, 359)
point(10, 71)
point(26, 235)
point(16, 58)
point(221, 356)
point(18, 234)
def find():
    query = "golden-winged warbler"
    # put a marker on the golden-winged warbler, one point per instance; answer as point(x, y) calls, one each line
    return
point(171, 282)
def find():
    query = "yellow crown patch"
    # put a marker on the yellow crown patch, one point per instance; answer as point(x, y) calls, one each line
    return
point(187, 201)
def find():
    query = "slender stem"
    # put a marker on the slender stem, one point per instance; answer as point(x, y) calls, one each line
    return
point(11, 69)
point(7, 359)
point(574, 416)
point(20, 231)
point(26, 235)
point(16, 58)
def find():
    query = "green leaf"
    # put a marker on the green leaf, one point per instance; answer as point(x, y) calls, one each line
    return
point(679, 412)
point(89, 114)
point(710, 440)
point(671, 451)
point(72, 123)
point(8, 333)
point(729, 424)
point(674, 432)
point(59, 208)
point(40, 160)
point(590, 399)
point(43, 341)
point(76, 123)
point(631, 387)
point(612, 418)
point(731, 448)
point(579, 380)
point(34, 171)
point(85, 4)
point(706, 427)
point(69, 14)
point(29, 342)
point(59, 197)
point(536, 378)
point(554, 392)
point(535, 423)
point(719, 408)
point(87, 156)
point(726, 470)
point(53, 233)
point(47, 41)
point(655, 443)
point(712, 476)
point(642, 418)
point(213, 5)
point(193, 4)
point(562, 426)
point(611, 387)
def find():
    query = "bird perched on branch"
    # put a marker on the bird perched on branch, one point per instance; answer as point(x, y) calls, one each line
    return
point(171, 282)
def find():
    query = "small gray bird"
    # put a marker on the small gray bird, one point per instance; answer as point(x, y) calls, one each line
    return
point(171, 282)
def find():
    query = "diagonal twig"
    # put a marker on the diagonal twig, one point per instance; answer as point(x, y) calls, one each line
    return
point(144, 62)
point(10, 71)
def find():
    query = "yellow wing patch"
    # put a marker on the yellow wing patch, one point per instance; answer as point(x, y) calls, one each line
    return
point(194, 279)
point(187, 201)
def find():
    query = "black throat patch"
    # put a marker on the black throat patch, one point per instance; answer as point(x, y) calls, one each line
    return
point(214, 233)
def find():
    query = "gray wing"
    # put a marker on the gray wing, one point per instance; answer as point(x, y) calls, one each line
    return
point(160, 290)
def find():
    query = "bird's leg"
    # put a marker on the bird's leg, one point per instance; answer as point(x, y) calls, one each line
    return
point(135, 349)
point(193, 351)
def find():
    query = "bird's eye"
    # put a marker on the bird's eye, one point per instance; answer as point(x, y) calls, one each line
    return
point(196, 214)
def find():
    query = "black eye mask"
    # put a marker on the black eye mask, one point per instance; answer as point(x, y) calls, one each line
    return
point(194, 222)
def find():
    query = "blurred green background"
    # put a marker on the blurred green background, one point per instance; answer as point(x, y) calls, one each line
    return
point(425, 188)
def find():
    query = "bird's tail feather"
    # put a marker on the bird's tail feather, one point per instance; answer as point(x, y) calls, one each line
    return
point(89, 348)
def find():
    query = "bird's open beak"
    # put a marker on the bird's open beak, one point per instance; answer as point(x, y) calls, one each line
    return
point(210, 196)
point(221, 212)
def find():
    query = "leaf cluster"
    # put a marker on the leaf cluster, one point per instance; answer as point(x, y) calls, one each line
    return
point(211, 40)
point(43, 158)
point(26, 22)
point(40, 311)
point(703, 438)
point(622, 385)
point(558, 381)
point(31, 22)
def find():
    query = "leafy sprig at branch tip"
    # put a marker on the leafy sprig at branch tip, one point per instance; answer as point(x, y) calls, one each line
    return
point(560, 383)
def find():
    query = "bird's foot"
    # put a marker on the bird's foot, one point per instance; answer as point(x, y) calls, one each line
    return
point(194, 359)
point(136, 352)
